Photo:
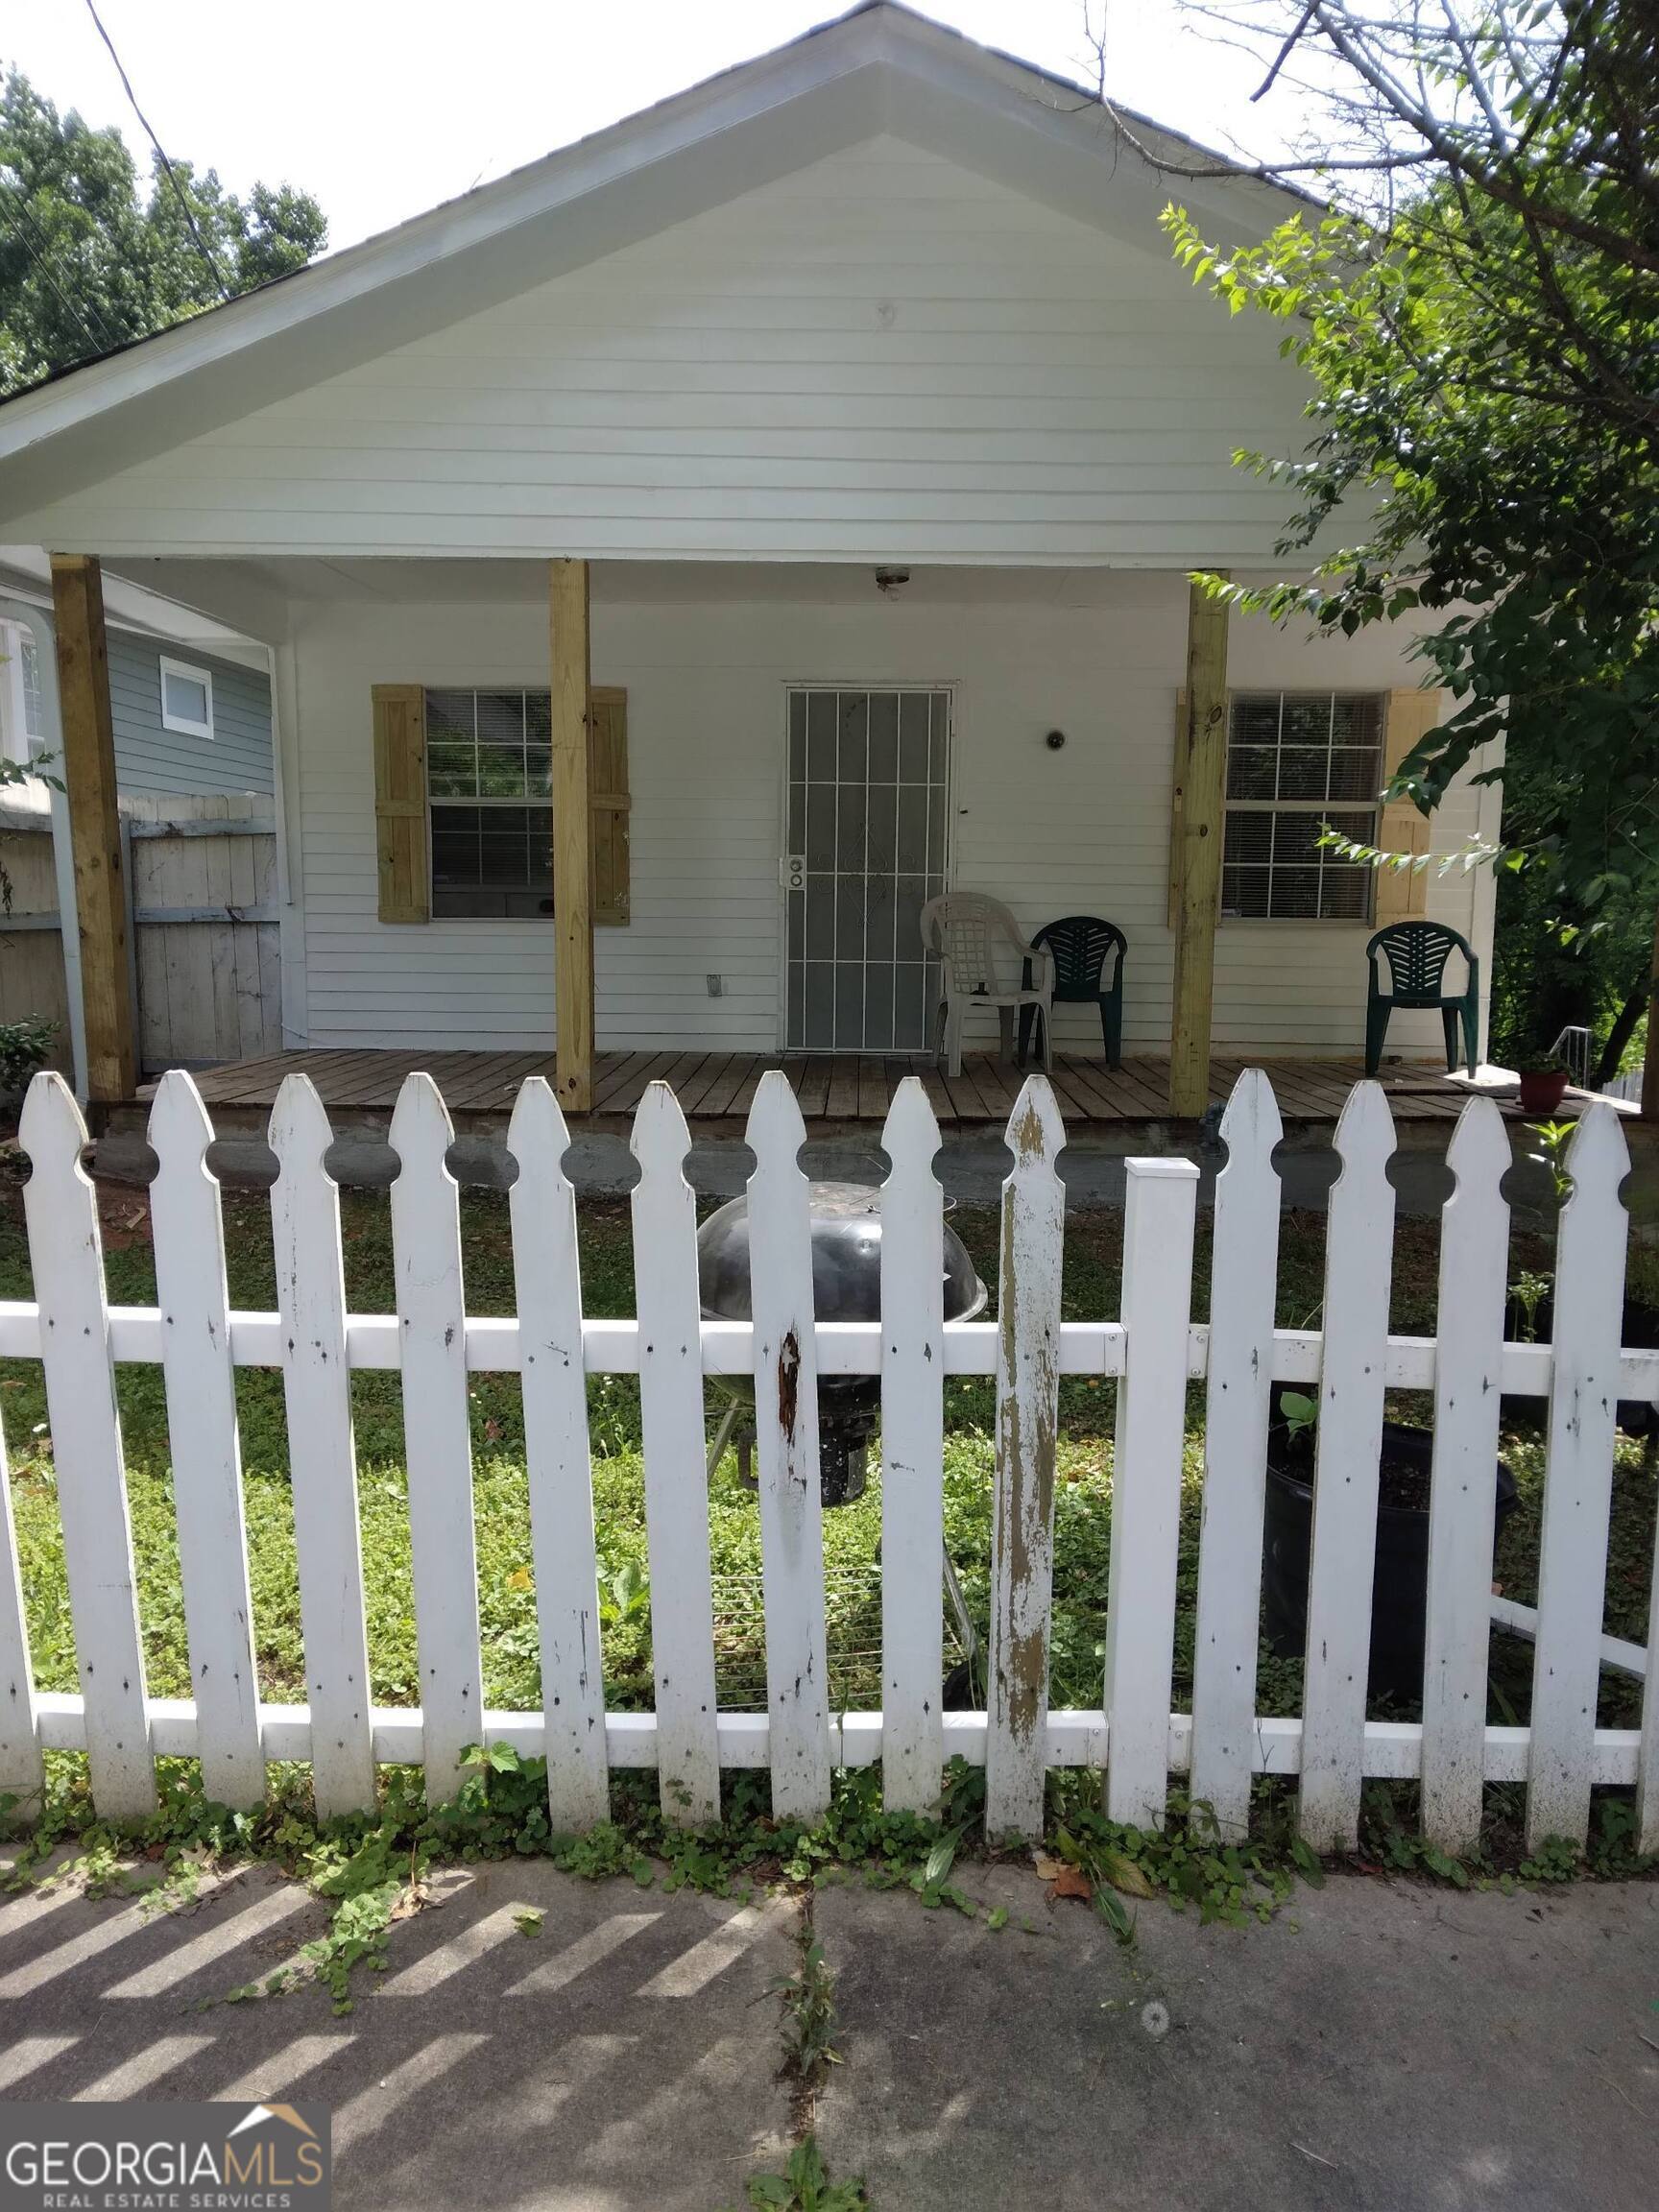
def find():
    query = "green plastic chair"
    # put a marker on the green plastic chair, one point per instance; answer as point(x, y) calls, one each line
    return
point(1080, 947)
point(1416, 954)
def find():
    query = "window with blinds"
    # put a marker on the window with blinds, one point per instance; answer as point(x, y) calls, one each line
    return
point(1297, 760)
point(489, 787)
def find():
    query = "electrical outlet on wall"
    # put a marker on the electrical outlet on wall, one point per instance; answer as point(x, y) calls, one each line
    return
point(716, 986)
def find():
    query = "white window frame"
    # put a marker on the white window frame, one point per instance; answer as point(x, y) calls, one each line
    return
point(15, 741)
point(1321, 808)
point(191, 674)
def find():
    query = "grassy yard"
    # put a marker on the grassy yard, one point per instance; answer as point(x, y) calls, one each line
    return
point(507, 1595)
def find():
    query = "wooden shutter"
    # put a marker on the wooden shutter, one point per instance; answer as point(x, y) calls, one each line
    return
point(1403, 894)
point(400, 801)
point(609, 802)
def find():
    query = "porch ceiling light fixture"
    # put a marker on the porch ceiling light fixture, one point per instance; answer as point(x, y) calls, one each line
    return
point(890, 582)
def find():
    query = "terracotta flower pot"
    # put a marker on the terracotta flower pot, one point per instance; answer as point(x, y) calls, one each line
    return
point(1543, 1089)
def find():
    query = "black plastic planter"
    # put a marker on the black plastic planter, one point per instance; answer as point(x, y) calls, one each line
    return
point(1638, 1333)
point(1401, 1595)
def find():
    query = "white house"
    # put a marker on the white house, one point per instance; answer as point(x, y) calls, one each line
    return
point(852, 419)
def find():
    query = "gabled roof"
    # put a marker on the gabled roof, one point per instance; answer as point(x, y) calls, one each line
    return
point(880, 68)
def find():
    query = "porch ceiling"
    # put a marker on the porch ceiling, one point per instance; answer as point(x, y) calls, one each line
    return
point(257, 597)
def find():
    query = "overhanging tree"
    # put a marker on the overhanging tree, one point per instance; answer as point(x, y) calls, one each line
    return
point(91, 261)
point(1479, 316)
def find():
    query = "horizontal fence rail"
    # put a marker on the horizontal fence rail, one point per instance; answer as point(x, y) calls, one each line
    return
point(1155, 1351)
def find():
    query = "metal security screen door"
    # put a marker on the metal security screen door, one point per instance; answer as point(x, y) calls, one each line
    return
point(869, 778)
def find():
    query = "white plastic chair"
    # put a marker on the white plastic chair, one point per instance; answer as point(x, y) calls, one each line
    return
point(983, 954)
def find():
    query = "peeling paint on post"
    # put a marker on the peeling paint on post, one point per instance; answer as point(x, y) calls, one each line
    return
point(787, 1447)
point(1027, 1418)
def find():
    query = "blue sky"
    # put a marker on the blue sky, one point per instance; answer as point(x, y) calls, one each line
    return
point(383, 107)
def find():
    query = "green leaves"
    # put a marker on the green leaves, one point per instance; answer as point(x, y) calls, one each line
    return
point(99, 260)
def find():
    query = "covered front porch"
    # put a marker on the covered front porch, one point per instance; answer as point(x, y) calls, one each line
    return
point(836, 1091)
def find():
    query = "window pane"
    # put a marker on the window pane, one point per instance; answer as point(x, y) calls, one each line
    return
point(1296, 838)
point(451, 771)
point(1302, 773)
point(854, 735)
point(33, 711)
point(1306, 722)
point(1357, 720)
point(184, 699)
point(450, 714)
point(1255, 719)
point(1244, 892)
point(501, 744)
point(1355, 773)
point(1250, 772)
point(1295, 894)
point(1344, 892)
point(1249, 838)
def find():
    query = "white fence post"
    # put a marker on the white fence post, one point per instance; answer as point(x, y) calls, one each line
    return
point(1463, 1499)
point(1647, 1749)
point(1358, 1270)
point(787, 1447)
point(912, 1456)
point(200, 1377)
point(1243, 1283)
point(548, 1280)
point(1159, 1211)
point(1027, 1419)
point(1590, 1254)
point(60, 1207)
point(437, 1432)
point(322, 1454)
point(23, 1775)
point(675, 1478)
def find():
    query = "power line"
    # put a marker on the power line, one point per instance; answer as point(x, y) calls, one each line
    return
point(67, 304)
point(160, 155)
point(48, 252)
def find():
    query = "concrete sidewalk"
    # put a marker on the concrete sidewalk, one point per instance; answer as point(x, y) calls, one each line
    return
point(625, 2057)
point(1378, 2045)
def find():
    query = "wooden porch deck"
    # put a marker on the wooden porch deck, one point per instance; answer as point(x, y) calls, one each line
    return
point(839, 1088)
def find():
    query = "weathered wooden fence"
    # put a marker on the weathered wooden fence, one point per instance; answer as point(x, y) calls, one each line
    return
point(202, 928)
point(1155, 1350)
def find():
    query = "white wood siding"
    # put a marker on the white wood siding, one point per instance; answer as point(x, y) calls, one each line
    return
point(1082, 830)
point(883, 355)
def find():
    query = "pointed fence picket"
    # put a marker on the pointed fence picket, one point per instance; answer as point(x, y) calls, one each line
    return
point(1463, 1486)
point(1358, 1248)
point(322, 1452)
point(60, 1209)
point(1243, 1283)
point(437, 1431)
point(1590, 1253)
point(1155, 1351)
point(1028, 1425)
point(912, 1454)
point(548, 1278)
point(1159, 1217)
point(676, 1483)
point(200, 1377)
point(787, 1448)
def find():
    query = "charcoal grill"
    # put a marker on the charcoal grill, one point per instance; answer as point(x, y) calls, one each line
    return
point(845, 1229)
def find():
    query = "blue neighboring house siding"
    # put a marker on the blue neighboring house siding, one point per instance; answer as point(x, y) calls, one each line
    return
point(236, 758)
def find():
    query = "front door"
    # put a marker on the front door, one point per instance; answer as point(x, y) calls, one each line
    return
point(865, 830)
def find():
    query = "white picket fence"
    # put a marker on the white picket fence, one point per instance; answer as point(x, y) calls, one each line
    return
point(1154, 1349)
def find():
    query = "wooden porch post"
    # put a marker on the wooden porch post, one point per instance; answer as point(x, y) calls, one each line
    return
point(1201, 804)
point(88, 770)
point(572, 837)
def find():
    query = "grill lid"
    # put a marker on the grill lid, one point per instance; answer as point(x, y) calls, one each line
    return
point(846, 1219)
